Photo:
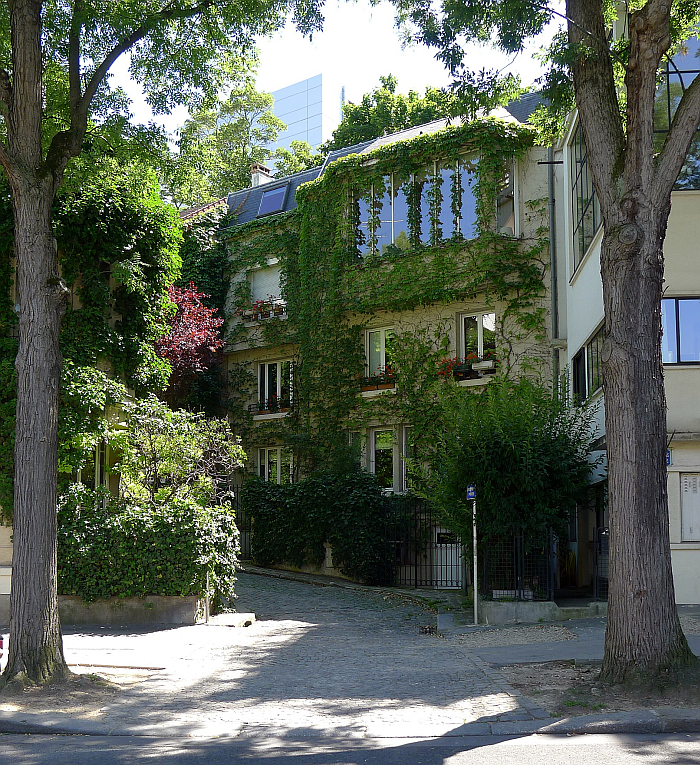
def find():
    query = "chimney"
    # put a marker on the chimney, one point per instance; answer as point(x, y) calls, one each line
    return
point(259, 174)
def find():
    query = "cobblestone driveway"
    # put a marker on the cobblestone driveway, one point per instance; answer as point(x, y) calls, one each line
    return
point(318, 660)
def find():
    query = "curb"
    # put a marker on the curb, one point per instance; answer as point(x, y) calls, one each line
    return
point(653, 721)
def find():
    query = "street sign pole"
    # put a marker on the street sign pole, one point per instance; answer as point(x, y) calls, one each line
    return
point(471, 494)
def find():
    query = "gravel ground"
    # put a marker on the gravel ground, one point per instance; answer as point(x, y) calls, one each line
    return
point(491, 637)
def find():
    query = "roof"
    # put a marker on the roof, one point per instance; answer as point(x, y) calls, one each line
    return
point(192, 212)
point(246, 203)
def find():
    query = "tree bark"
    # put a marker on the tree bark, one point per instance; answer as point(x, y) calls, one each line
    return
point(36, 651)
point(643, 634)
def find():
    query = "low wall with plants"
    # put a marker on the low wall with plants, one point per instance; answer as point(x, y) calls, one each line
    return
point(108, 547)
point(291, 523)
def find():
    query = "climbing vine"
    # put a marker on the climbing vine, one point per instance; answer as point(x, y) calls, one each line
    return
point(118, 252)
point(336, 281)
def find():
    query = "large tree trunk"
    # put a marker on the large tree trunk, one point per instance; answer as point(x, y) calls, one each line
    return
point(36, 652)
point(643, 634)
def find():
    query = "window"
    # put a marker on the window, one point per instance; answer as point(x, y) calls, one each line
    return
point(384, 215)
point(274, 386)
point(94, 473)
point(378, 350)
point(275, 464)
point(587, 368)
point(586, 210)
point(690, 507)
point(272, 200)
point(382, 462)
point(676, 75)
point(407, 453)
point(478, 334)
point(680, 320)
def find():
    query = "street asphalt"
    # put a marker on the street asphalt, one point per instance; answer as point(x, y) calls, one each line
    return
point(326, 660)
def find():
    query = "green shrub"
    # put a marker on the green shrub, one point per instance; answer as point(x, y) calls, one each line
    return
point(291, 523)
point(108, 547)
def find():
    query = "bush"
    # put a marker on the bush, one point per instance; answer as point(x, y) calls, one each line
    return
point(292, 522)
point(108, 547)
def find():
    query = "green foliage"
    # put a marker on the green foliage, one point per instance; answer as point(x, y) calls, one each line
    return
point(174, 455)
point(301, 157)
point(348, 511)
point(385, 111)
point(110, 548)
point(220, 142)
point(524, 448)
point(332, 293)
point(118, 247)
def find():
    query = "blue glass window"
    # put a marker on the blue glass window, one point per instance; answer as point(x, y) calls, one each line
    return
point(272, 200)
point(680, 320)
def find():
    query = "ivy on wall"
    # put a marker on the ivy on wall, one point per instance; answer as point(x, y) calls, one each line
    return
point(118, 250)
point(333, 291)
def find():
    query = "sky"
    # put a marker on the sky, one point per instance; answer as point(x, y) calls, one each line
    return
point(358, 44)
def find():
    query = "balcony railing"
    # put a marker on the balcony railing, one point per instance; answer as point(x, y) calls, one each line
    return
point(273, 405)
point(263, 309)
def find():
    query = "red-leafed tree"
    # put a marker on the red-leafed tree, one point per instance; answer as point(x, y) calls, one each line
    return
point(193, 344)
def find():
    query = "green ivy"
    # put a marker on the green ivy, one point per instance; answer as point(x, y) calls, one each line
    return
point(109, 548)
point(332, 292)
point(348, 511)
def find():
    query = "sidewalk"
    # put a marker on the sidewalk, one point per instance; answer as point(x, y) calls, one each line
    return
point(326, 659)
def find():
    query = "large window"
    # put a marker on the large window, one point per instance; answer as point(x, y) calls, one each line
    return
point(275, 386)
point(443, 194)
point(690, 507)
point(676, 75)
point(275, 464)
point(478, 334)
point(680, 319)
point(379, 350)
point(586, 210)
point(587, 368)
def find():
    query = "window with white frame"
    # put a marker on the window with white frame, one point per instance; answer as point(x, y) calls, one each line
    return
point(379, 350)
point(478, 334)
point(407, 454)
point(94, 472)
point(275, 383)
point(690, 507)
point(680, 319)
point(587, 368)
point(444, 193)
point(275, 464)
point(382, 456)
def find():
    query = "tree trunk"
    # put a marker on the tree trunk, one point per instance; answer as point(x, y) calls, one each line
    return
point(643, 634)
point(36, 652)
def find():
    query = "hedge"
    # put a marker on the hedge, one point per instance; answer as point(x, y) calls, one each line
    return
point(291, 523)
point(107, 547)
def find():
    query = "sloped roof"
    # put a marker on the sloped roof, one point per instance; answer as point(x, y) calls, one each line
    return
point(246, 203)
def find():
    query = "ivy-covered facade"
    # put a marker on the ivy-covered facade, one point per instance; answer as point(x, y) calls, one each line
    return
point(362, 289)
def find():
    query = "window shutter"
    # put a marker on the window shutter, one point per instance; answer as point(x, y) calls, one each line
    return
point(265, 282)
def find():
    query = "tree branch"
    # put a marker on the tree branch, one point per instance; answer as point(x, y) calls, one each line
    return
point(68, 143)
point(678, 140)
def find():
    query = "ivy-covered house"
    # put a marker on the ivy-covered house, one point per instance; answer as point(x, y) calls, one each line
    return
point(359, 288)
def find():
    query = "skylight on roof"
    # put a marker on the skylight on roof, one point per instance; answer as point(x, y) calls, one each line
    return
point(272, 200)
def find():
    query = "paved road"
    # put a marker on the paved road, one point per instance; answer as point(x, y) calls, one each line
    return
point(531, 750)
point(319, 661)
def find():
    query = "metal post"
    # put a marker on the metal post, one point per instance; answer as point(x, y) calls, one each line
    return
point(475, 587)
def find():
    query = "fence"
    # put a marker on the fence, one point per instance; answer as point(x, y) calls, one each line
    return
point(426, 554)
point(518, 568)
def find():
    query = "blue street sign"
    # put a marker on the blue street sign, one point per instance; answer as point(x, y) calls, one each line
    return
point(471, 492)
point(668, 457)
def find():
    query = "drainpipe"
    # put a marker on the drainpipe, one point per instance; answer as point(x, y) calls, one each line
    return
point(553, 264)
